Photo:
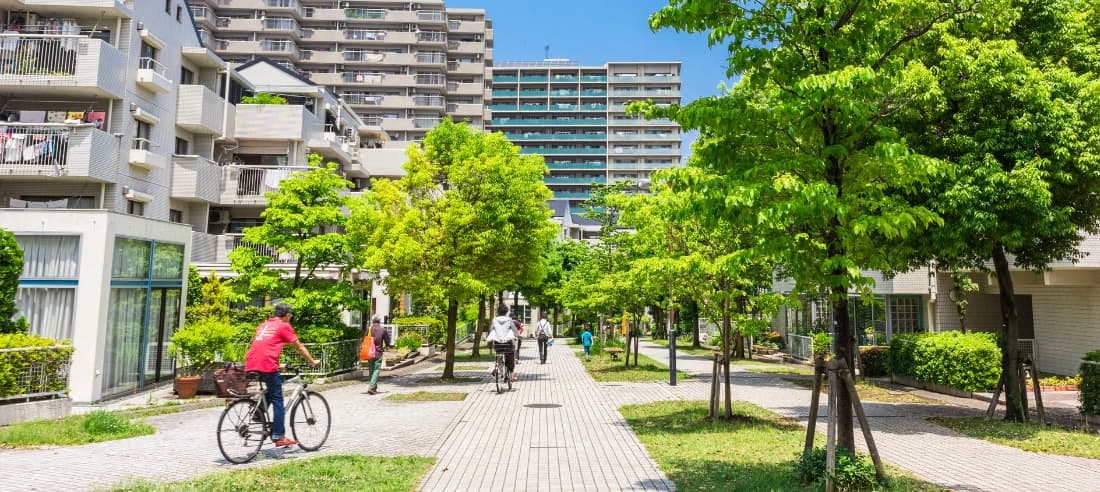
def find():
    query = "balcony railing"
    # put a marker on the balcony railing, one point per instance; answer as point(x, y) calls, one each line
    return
point(146, 63)
point(366, 99)
point(434, 58)
point(364, 35)
point(278, 45)
point(425, 122)
point(431, 15)
point(281, 24)
point(39, 146)
point(262, 250)
point(430, 79)
point(201, 13)
point(291, 4)
point(431, 37)
point(363, 78)
point(360, 13)
point(248, 184)
point(428, 100)
point(142, 144)
point(46, 55)
point(364, 56)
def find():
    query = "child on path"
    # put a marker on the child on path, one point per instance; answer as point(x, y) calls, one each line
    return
point(586, 341)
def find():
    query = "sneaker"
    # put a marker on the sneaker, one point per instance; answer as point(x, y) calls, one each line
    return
point(284, 442)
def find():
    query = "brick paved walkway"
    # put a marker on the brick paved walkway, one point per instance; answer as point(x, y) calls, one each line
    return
point(903, 435)
point(498, 443)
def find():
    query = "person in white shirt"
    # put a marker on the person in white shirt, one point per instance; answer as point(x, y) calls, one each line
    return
point(502, 336)
point(545, 332)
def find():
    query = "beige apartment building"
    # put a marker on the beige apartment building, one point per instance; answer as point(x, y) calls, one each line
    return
point(125, 154)
point(402, 66)
point(575, 117)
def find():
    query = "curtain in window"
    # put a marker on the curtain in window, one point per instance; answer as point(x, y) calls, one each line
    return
point(168, 261)
point(50, 256)
point(165, 307)
point(49, 310)
point(131, 259)
point(122, 357)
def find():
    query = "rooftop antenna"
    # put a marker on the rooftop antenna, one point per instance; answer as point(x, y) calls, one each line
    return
point(547, 48)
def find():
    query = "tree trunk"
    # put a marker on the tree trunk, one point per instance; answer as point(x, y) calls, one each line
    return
point(739, 346)
point(844, 343)
point(482, 325)
point(626, 344)
point(515, 303)
point(1014, 403)
point(694, 318)
point(452, 319)
point(727, 329)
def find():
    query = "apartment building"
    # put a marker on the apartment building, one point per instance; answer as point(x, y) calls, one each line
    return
point(126, 152)
point(575, 117)
point(401, 65)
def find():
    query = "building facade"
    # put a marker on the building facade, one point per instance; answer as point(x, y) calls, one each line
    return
point(402, 66)
point(575, 117)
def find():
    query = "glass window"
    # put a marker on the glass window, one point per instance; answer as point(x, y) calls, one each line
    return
point(135, 207)
point(49, 310)
point(168, 261)
point(131, 260)
point(187, 77)
point(183, 147)
point(905, 315)
point(122, 354)
point(175, 216)
point(53, 257)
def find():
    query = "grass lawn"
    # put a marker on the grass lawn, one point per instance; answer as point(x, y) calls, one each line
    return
point(773, 368)
point(869, 392)
point(685, 348)
point(756, 451)
point(426, 396)
point(1028, 437)
point(92, 427)
point(605, 370)
point(334, 473)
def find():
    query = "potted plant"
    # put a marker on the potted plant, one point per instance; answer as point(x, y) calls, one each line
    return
point(197, 346)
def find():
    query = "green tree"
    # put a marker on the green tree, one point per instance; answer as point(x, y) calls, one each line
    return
point(194, 287)
point(1021, 126)
point(800, 147)
point(304, 221)
point(11, 267)
point(469, 217)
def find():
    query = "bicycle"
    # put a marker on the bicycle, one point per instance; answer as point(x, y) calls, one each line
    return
point(500, 370)
point(244, 424)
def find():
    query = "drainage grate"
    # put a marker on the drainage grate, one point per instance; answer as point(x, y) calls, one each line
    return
point(542, 405)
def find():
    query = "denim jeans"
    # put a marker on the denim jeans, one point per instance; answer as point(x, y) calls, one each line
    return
point(274, 383)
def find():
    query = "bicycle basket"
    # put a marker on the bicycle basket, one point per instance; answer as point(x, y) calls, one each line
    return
point(231, 381)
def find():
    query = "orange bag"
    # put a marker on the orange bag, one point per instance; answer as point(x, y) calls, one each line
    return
point(368, 351)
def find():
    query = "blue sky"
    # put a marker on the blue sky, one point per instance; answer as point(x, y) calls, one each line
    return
point(597, 31)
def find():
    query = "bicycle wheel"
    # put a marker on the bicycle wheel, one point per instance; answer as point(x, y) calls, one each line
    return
point(240, 432)
point(498, 373)
point(310, 421)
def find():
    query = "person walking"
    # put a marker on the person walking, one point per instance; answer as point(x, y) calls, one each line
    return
point(545, 332)
point(382, 342)
point(519, 334)
point(503, 336)
point(263, 357)
point(586, 342)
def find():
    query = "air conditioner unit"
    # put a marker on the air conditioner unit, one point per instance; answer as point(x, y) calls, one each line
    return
point(219, 216)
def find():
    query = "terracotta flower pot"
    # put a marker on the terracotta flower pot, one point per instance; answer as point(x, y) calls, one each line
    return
point(187, 386)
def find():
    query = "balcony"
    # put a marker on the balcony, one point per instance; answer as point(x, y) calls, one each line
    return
point(559, 79)
point(153, 75)
point(429, 101)
point(431, 58)
point(53, 149)
point(562, 180)
point(430, 79)
point(365, 14)
point(548, 122)
point(466, 110)
point(246, 185)
point(622, 79)
point(200, 110)
point(331, 144)
point(573, 195)
point(195, 179)
point(432, 37)
point(431, 16)
point(41, 65)
point(466, 46)
point(642, 122)
point(358, 99)
point(274, 122)
point(143, 155)
point(215, 249)
point(555, 136)
point(563, 151)
point(644, 136)
point(565, 166)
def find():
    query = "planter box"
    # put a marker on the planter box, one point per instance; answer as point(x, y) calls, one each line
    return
point(427, 350)
point(947, 390)
point(35, 410)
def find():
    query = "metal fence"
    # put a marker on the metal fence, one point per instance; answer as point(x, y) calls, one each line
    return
point(336, 357)
point(800, 346)
point(49, 377)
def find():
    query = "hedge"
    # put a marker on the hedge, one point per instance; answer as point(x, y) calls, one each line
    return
point(969, 362)
point(875, 361)
point(437, 333)
point(1089, 388)
point(14, 363)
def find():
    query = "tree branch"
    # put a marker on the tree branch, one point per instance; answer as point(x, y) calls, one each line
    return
point(916, 32)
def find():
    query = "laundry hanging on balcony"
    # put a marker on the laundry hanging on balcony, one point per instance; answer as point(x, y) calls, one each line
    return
point(273, 177)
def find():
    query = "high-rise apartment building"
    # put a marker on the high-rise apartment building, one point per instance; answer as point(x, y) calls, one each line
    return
point(575, 117)
point(401, 65)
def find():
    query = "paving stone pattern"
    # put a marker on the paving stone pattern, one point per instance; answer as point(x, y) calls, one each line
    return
point(498, 443)
point(902, 433)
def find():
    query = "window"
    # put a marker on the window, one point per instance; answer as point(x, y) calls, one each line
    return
point(175, 216)
point(179, 14)
point(36, 201)
point(183, 147)
point(905, 315)
point(168, 6)
point(142, 133)
point(47, 287)
point(187, 77)
point(148, 50)
point(134, 207)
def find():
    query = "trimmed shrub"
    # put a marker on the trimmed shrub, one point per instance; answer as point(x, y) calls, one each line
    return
point(823, 344)
point(11, 267)
point(1089, 387)
point(410, 341)
point(875, 361)
point(853, 471)
point(263, 98)
point(969, 362)
point(437, 330)
point(14, 364)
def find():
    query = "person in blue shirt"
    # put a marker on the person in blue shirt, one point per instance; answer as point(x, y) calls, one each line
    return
point(586, 341)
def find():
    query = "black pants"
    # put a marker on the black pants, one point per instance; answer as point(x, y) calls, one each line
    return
point(506, 349)
point(542, 347)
